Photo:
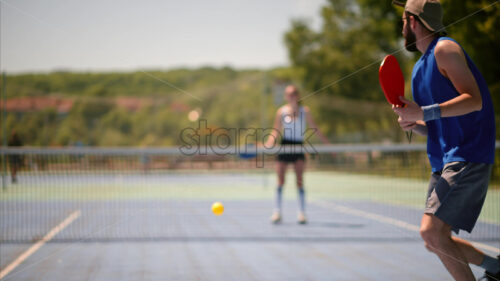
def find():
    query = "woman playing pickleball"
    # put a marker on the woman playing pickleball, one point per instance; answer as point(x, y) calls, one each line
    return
point(290, 121)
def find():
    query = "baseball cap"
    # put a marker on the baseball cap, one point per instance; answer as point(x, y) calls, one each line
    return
point(429, 12)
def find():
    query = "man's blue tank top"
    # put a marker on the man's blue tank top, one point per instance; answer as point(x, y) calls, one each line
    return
point(469, 137)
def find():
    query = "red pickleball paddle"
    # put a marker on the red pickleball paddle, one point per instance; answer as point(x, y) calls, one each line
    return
point(392, 82)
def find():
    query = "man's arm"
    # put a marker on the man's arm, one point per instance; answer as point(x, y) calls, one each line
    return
point(453, 65)
point(419, 126)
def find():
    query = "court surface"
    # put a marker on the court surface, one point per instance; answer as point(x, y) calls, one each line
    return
point(159, 227)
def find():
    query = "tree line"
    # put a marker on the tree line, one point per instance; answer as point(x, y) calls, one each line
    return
point(336, 67)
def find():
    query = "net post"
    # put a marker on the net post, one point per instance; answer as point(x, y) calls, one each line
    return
point(265, 90)
point(4, 138)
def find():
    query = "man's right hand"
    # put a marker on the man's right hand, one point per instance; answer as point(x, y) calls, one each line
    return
point(406, 125)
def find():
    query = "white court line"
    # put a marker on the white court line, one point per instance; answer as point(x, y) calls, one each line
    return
point(53, 232)
point(388, 220)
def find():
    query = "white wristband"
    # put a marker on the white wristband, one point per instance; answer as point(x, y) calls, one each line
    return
point(431, 112)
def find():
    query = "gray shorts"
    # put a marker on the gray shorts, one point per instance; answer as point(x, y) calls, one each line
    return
point(456, 195)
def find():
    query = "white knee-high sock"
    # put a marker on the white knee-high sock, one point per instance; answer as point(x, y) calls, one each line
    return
point(279, 195)
point(302, 199)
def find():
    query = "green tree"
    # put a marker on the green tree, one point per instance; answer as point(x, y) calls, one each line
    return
point(341, 59)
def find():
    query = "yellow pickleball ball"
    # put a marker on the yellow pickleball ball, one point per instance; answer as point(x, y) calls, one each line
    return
point(217, 208)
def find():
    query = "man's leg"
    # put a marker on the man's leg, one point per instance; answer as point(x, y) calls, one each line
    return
point(13, 172)
point(437, 237)
point(471, 254)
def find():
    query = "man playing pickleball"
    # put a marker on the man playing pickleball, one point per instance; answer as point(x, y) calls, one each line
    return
point(453, 108)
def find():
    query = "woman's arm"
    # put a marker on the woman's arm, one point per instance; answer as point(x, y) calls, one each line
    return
point(273, 137)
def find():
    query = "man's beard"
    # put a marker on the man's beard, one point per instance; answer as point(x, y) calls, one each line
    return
point(410, 40)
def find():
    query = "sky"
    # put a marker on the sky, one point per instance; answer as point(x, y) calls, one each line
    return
point(105, 35)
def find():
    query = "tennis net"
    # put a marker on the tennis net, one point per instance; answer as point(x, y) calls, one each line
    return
point(354, 192)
